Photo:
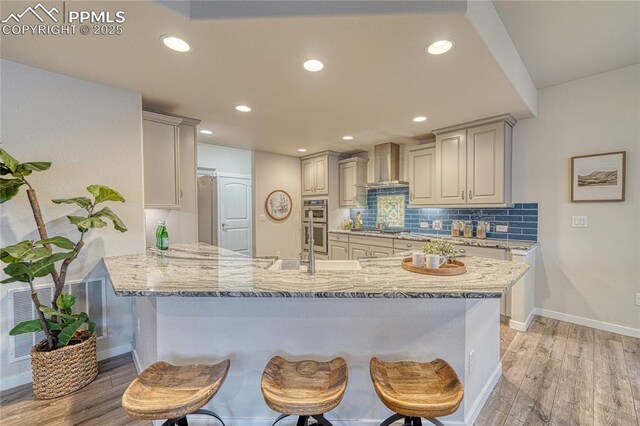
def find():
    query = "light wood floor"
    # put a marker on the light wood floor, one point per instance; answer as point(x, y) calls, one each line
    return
point(97, 404)
point(557, 374)
point(565, 374)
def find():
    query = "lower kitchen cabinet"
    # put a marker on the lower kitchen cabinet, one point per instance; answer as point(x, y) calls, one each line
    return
point(338, 250)
point(358, 251)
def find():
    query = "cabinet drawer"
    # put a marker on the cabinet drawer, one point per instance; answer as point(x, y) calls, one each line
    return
point(404, 245)
point(338, 237)
point(371, 241)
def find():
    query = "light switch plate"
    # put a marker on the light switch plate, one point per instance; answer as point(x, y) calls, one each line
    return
point(424, 225)
point(637, 299)
point(262, 218)
point(579, 222)
point(502, 228)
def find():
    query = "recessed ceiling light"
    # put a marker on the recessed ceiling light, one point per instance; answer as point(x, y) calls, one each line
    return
point(175, 43)
point(243, 108)
point(419, 118)
point(206, 132)
point(439, 47)
point(302, 149)
point(313, 65)
point(347, 138)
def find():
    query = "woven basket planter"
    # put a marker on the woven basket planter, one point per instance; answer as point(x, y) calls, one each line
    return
point(64, 370)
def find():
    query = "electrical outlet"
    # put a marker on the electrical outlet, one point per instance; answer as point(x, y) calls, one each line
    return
point(471, 361)
point(502, 228)
point(262, 218)
point(424, 225)
point(637, 299)
point(579, 222)
point(437, 225)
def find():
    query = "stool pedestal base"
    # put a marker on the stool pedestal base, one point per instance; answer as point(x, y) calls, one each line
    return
point(183, 420)
point(304, 420)
point(409, 421)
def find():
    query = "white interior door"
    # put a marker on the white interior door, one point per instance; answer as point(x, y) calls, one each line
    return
point(234, 206)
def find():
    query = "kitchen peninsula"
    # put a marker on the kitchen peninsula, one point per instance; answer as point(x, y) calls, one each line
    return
point(199, 304)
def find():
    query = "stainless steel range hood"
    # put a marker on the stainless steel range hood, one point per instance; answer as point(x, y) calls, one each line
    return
point(386, 165)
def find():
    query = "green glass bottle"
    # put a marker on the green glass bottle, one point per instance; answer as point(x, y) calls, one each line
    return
point(162, 236)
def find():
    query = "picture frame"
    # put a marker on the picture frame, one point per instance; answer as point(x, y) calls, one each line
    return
point(278, 205)
point(598, 177)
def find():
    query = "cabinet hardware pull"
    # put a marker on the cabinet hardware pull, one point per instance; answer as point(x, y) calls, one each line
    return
point(462, 194)
point(409, 245)
point(470, 195)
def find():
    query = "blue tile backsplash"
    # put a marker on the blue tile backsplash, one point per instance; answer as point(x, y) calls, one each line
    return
point(522, 218)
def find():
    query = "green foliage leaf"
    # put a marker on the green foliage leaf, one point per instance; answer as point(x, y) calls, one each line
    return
point(67, 332)
point(61, 242)
point(33, 326)
point(17, 269)
point(65, 301)
point(9, 188)
point(85, 223)
point(50, 311)
point(36, 253)
point(91, 326)
point(108, 213)
point(37, 166)
point(44, 266)
point(18, 250)
point(103, 193)
point(8, 161)
point(20, 278)
point(83, 202)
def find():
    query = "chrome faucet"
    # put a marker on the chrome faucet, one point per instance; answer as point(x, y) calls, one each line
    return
point(312, 254)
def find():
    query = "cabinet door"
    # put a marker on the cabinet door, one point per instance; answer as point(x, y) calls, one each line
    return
point(308, 176)
point(321, 175)
point(338, 251)
point(161, 164)
point(451, 168)
point(347, 177)
point(358, 251)
point(485, 164)
point(380, 251)
point(422, 175)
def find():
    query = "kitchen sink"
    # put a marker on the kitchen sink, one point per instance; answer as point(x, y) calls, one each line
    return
point(321, 265)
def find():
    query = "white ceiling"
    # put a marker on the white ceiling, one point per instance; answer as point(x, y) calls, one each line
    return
point(562, 41)
point(376, 76)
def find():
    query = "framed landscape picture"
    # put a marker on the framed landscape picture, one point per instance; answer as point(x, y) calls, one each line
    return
point(598, 177)
point(278, 205)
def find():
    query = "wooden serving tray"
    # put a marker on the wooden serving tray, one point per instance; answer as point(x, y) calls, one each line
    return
point(452, 268)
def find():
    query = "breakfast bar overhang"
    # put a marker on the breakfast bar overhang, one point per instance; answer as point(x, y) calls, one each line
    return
point(200, 304)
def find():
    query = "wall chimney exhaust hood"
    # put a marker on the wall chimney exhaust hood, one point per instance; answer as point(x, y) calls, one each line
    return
point(386, 164)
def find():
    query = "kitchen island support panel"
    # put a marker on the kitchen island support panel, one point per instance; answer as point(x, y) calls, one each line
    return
point(249, 331)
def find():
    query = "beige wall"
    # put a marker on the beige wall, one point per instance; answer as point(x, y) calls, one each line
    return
point(591, 273)
point(271, 172)
point(92, 134)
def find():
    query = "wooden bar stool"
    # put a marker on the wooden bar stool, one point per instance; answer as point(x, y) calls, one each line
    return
point(307, 389)
point(165, 391)
point(416, 390)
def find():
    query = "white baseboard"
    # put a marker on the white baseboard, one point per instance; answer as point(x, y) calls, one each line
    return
point(25, 377)
point(522, 326)
point(262, 421)
point(470, 418)
point(587, 322)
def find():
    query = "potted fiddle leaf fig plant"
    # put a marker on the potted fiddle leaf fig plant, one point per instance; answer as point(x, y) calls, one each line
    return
point(66, 359)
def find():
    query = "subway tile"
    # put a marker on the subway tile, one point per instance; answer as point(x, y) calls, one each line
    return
point(530, 206)
point(530, 219)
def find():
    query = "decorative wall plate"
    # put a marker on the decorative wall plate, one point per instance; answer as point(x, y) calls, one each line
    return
point(278, 205)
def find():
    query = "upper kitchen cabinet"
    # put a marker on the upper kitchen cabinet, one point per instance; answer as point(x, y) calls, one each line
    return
point(473, 163)
point(161, 149)
point(422, 174)
point(352, 174)
point(317, 171)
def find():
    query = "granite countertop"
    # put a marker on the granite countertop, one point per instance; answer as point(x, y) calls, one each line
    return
point(203, 270)
point(474, 242)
